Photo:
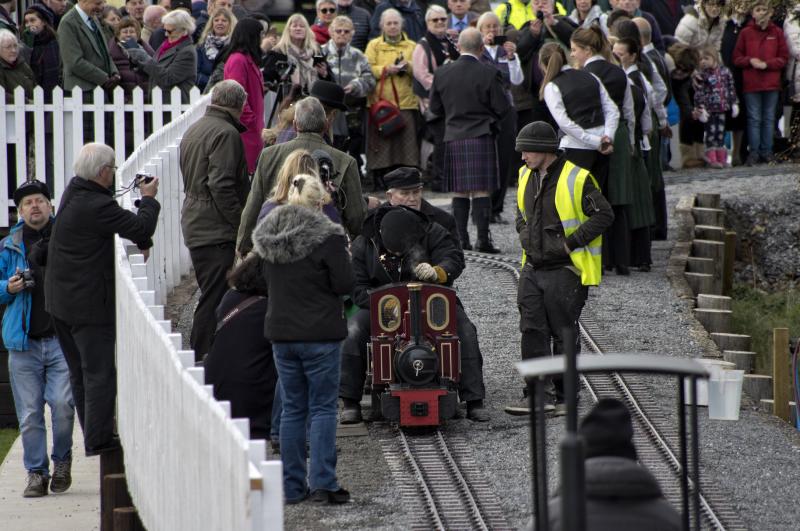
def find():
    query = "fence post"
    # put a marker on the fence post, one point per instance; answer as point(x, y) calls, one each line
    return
point(60, 172)
point(780, 373)
point(22, 142)
point(3, 160)
point(40, 152)
point(98, 110)
point(77, 127)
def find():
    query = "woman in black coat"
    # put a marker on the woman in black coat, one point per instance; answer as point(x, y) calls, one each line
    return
point(240, 364)
point(45, 59)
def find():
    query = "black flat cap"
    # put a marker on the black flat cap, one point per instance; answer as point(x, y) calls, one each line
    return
point(403, 178)
point(30, 188)
point(401, 230)
point(329, 94)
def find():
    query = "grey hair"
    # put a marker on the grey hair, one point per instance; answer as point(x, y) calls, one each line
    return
point(6, 35)
point(323, 2)
point(470, 40)
point(153, 14)
point(92, 158)
point(485, 18)
point(433, 10)
point(391, 11)
point(229, 94)
point(309, 116)
point(181, 20)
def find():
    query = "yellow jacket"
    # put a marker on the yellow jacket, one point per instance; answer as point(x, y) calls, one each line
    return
point(522, 13)
point(381, 54)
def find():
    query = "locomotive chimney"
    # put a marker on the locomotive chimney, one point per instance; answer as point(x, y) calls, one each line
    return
point(415, 311)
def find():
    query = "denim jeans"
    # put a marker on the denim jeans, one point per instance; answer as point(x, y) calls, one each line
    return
point(38, 375)
point(309, 376)
point(761, 108)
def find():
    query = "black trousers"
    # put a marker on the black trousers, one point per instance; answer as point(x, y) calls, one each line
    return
point(508, 161)
point(549, 302)
point(89, 352)
point(354, 357)
point(211, 265)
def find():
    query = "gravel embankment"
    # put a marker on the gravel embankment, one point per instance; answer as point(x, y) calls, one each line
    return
point(754, 461)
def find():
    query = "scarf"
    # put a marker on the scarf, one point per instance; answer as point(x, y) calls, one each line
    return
point(442, 48)
point(392, 40)
point(305, 66)
point(166, 45)
point(213, 45)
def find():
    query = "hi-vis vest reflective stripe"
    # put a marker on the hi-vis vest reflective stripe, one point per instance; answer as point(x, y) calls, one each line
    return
point(569, 201)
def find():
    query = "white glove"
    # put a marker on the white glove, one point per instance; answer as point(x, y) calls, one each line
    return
point(735, 110)
point(703, 118)
point(426, 273)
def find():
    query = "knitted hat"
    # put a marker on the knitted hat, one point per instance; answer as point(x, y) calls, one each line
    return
point(30, 188)
point(537, 137)
point(401, 230)
point(607, 430)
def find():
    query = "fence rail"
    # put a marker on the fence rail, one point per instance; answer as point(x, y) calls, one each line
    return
point(40, 137)
point(189, 465)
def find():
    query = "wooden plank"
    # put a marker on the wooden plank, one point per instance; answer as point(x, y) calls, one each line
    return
point(3, 161)
point(59, 126)
point(728, 262)
point(40, 147)
point(781, 381)
point(21, 148)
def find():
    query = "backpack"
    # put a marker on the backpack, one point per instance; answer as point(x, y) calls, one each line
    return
point(384, 114)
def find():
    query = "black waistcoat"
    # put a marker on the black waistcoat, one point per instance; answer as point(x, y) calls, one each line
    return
point(613, 78)
point(580, 92)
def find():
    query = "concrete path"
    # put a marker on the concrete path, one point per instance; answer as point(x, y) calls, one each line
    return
point(78, 509)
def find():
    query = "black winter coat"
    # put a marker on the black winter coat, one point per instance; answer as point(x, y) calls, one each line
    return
point(308, 271)
point(437, 248)
point(621, 494)
point(79, 286)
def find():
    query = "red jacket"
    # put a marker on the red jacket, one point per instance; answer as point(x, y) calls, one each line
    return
point(321, 33)
point(769, 45)
point(242, 68)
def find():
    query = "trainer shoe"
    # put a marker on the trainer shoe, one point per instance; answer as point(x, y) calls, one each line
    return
point(37, 485)
point(329, 496)
point(62, 476)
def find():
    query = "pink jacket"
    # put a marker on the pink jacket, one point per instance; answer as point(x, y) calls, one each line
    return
point(242, 68)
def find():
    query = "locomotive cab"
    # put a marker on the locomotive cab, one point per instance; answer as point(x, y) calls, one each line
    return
point(414, 353)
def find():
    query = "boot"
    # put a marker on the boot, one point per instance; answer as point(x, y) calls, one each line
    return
point(711, 159)
point(481, 215)
point(461, 213)
point(688, 159)
point(722, 158)
point(351, 412)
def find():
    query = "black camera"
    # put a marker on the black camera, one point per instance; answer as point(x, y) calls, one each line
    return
point(28, 282)
point(318, 59)
point(540, 15)
point(325, 165)
point(140, 178)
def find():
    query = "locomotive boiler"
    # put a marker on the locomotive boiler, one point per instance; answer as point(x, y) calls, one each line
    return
point(414, 353)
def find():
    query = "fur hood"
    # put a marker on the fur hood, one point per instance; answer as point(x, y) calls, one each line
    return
point(291, 232)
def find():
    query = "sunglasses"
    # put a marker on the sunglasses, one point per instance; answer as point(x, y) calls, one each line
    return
point(327, 10)
point(169, 31)
point(342, 31)
point(442, 19)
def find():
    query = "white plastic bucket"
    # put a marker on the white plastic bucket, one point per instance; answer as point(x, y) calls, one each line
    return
point(713, 367)
point(725, 395)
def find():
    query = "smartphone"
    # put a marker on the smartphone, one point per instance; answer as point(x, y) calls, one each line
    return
point(318, 59)
point(499, 40)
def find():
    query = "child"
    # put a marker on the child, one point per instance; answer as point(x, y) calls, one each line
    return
point(762, 54)
point(714, 95)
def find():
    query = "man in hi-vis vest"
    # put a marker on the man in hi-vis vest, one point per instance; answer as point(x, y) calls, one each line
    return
point(560, 217)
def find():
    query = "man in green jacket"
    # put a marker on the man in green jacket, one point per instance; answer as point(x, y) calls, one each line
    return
point(215, 178)
point(84, 52)
point(310, 123)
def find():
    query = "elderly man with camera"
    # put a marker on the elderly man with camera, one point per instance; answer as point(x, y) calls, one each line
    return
point(37, 368)
point(79, 286)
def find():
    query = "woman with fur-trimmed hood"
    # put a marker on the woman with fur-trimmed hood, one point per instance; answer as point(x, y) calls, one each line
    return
point(308, 269)
point(702, 25)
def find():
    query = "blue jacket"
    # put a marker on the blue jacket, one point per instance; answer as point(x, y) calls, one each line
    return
point(17, 317)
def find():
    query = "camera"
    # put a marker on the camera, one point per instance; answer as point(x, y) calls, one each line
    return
point(499, 40)
point(140, 178)
point(317, 59)
point(325, 165)
point(540, 15)
point(28, 282)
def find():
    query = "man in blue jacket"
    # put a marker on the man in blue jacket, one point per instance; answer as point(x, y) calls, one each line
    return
point(37, 367)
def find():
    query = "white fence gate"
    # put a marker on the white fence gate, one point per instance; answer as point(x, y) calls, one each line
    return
point(51, 129)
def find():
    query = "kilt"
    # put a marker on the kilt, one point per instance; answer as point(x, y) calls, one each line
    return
point(401, 149)
point(470, 165)
point(640, 213)
point(620, 175)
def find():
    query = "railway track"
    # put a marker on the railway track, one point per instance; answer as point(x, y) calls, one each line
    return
point(656, 437)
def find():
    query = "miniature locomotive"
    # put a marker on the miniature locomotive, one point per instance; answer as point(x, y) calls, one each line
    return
point(414, 353)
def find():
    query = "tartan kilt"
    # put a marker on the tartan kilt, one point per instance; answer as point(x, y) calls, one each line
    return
point(470, 165)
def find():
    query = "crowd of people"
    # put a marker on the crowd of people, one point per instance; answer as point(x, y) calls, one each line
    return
point(381, 98)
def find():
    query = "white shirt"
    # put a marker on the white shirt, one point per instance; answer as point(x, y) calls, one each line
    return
point(659, 90)
point(86, 19)
point(514, 68)
point(628, 110)
point(647, 117)
point(575, 136)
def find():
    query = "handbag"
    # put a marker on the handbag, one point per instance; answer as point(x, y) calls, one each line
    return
point(384, 114)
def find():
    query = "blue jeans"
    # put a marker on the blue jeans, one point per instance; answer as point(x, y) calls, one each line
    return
point(761, 108)
point(309, 376)
point(38, 375)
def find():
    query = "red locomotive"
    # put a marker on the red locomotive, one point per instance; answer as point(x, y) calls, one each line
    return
point(414, 353)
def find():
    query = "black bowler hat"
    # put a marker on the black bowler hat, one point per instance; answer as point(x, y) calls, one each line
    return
point(30, 188)
point(607, 430)
point(403, 178)
point(401, 229)
point(329, 94)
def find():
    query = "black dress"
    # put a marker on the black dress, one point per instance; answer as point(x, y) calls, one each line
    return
point(240, 364)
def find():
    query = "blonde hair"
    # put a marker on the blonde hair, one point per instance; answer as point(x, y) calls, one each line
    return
point(209, 28)
point(552, 59)
point(308, 191)
point(342, 21)
point(299, 162)
point(309, 42)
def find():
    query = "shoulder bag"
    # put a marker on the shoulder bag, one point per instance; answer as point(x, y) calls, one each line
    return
point(384, 114)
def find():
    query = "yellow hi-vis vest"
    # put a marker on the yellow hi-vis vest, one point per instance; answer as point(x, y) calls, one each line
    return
point(569, 201)
point(515, 13)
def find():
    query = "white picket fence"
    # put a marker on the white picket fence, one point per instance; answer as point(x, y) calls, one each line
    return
point(54, 131)
point(189, 464)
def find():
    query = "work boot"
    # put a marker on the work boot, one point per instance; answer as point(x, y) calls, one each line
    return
point(37, 485)
point(62, 476)
point(481, 215)
point(351, 412)
point(477, 412)
point(329, 496)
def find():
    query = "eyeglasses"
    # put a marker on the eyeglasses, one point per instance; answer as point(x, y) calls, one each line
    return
point(113, 168)
point(169, 31)
point(439, 19)
point(327, 10)
point(342, 31)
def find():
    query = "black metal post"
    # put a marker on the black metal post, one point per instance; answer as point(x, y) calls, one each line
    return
point(573, 499)
point(683, 457)
point(531, 382)
point(415, 310)
point(695, 453)
point(541, 434)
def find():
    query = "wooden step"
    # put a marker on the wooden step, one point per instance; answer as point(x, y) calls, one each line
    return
point(743, 359)
point(714, 320)
point(768, 405)
point(707, 200)
point(708, 216)
point(731, 341)
point(713, 302)
point(700, 282)
point(695, 264)
point(757, 386)
point(709, 232)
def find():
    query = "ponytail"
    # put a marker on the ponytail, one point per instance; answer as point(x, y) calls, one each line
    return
point(593, 39)
point(551, 59)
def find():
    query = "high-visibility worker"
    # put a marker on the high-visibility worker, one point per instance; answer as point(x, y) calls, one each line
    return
point(561, 215)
